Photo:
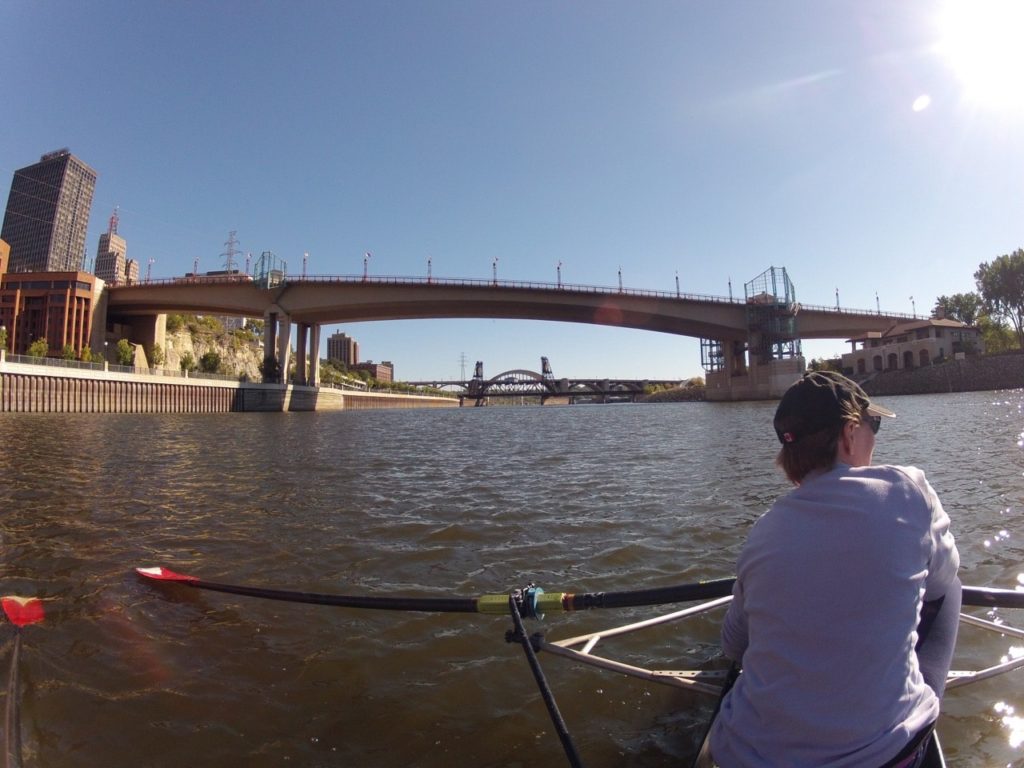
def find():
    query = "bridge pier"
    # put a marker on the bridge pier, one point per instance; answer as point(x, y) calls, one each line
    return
point(301, 339)
point(269, 334)
point(764, 381)
point(313, 378)
point(277, 328)
point(307, 354)
point(284, 345)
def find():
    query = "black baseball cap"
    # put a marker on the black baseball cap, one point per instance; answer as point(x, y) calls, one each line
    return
point(814, 403)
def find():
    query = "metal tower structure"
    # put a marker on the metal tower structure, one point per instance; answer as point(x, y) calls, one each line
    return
point(269, 271)
point(231, 252)
point(771, 316)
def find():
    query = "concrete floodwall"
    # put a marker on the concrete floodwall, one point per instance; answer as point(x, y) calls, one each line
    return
point(972, 374)
point(42, 389)
point(65, 394)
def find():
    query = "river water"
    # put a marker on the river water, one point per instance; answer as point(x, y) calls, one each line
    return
point(425, 503)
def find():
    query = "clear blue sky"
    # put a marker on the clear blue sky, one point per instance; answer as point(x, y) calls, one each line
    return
point(865, 145)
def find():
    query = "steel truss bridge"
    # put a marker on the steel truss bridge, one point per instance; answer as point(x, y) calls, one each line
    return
point(520, 383)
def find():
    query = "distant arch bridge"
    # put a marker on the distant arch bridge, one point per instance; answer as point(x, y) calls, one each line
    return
point(520, 382)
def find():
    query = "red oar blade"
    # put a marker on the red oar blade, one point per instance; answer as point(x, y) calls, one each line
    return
point(22, 611)
point(163, 574)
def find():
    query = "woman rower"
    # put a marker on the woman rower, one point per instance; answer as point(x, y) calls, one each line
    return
point(846, 601)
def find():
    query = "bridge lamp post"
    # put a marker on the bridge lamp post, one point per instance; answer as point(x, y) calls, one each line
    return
point(494, 271)
point(837, 298)
point(913, 307)
point(559, 268)
point(677, 283)
point(620, 279)
point(366, 266)
point(878, 307)
point(429, 270)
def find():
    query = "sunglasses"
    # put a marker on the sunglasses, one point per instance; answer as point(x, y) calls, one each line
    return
point(875, 422)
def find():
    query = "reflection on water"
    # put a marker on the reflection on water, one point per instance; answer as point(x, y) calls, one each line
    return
point(1011, 722)
point(428, 503)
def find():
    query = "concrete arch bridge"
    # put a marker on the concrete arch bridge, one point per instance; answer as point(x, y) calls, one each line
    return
point(750, 346)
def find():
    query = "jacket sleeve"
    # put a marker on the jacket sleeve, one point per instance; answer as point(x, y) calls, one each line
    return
point(734, 628)
point(936, 632)
point(940, 613)
point(945, 559)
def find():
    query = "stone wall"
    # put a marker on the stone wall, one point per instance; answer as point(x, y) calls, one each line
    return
point(972, 374)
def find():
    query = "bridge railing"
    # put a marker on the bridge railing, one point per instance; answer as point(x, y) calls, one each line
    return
point(848, 311)
point(471, 282)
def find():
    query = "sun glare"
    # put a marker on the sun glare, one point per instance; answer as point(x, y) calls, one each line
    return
point(980, 40)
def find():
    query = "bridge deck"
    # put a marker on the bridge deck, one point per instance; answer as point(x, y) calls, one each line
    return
point(326, 299)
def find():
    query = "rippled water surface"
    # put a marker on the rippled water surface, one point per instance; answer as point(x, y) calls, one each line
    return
point(424, 503)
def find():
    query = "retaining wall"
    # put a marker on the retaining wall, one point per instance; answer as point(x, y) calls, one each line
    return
point(972, 374)
point(38, 389)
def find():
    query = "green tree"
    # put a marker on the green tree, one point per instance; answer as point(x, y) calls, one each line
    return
point(38, 348)
point(996, 335)
point(156, 356)
point(1001, 284)
point(187, 362)
point(3, 337)
point(125, 352)
point(68, 352)
point(175, 323)
point(210, 362)
point(965, 307)
point(826, 364)
point(86, 356)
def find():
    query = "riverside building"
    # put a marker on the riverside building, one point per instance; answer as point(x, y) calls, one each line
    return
point(47, 214)
point(59, 307)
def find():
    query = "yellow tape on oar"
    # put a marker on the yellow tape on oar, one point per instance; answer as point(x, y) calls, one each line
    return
point(540, 602)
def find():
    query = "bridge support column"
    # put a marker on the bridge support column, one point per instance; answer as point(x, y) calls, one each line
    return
point(314, 355)
point(301, 337)
point(284, 345)
point(269, 338)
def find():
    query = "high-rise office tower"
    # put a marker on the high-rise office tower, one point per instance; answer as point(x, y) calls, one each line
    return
point(131, 271)
point(110, 256)
point(48, 214)
point(343, 348)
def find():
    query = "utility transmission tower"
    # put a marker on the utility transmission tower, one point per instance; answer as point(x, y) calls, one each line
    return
point(231, 252)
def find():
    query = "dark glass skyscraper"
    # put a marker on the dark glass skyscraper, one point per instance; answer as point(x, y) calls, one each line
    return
point(47, 214)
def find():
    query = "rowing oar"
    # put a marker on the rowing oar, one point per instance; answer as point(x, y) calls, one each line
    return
point(21, 611)
point(535, 601)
